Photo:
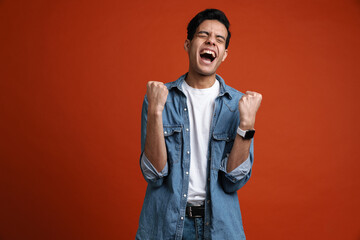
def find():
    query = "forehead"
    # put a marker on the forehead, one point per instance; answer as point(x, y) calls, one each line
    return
point(213, 26)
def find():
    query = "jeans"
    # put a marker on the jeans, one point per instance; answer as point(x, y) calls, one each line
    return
point(193, 229)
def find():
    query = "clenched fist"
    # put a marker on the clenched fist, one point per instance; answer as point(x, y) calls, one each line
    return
point(248, 106)
point(156, 94)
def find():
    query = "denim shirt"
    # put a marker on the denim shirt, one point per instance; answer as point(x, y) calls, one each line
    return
point(163, 211)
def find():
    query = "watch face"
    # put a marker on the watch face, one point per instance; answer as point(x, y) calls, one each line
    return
point(249, 134)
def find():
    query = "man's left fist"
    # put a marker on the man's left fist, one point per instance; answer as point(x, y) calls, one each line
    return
point(248, 106)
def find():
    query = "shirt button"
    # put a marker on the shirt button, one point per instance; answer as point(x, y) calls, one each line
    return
point(187, 129)
point(208, 201)
point(188, 152)
point(207, 223)
point(182, 218)
point(165, 132)
point(209, 179)
point(185, 109)
point(187, 173)
point(184, 195)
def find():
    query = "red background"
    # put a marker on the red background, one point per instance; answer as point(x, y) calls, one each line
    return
point(72, 79)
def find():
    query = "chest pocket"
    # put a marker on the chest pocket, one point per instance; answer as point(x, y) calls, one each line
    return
point(173, 141)
point(221, 147)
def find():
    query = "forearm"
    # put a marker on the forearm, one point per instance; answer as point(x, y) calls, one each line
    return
point(239, 153)
point(248, 106)
point(155, 149)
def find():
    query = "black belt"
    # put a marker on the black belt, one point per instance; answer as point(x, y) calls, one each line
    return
point(195, 211)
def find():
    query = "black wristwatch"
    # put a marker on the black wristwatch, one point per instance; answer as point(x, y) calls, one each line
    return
point(248, 134)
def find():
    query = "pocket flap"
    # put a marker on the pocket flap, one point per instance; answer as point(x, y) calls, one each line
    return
point(224, 137)
point(170, 130)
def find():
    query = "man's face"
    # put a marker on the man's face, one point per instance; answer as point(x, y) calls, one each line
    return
point(207, 48)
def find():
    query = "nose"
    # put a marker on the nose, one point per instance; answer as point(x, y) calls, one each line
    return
point(211, 40)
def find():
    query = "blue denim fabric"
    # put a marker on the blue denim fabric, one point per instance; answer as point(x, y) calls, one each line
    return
point(163, 211)
point(193, 229)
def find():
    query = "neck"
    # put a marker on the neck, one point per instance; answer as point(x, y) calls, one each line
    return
point(199, 81)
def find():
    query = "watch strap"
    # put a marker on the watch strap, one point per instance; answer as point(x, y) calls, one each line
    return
point(246, 134)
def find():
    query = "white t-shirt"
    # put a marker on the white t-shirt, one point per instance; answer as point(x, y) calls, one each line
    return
point(200, 103)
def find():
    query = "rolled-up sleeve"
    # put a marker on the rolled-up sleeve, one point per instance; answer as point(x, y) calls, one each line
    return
point(237, 178)
point(238, 173)
point(150, 171)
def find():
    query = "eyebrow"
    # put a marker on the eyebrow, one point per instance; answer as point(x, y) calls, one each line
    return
point(207, 33)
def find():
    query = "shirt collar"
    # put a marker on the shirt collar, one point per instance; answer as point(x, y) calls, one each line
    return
point(224, 89)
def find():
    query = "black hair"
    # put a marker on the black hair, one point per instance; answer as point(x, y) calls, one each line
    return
point(208, 14)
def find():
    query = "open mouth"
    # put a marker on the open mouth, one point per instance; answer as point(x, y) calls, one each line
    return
point(207, 55)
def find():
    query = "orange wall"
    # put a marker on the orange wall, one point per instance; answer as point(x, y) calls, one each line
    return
point(72, 78)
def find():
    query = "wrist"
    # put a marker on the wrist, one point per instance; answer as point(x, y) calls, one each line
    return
point(246, 125)
point(246, 134)
point(155, 111)
point(154, 114)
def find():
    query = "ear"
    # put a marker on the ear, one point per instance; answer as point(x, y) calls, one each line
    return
point(187, 45)
point(225, 55)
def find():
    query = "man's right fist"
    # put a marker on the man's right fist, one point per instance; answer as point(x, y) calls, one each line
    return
point(156, 94)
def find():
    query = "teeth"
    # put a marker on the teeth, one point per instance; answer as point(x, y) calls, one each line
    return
point(208, 52)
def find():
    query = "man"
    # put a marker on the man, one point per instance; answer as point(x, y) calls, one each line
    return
point(196, 142)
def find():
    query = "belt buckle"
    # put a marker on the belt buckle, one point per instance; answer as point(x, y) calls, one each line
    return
point(190, 212)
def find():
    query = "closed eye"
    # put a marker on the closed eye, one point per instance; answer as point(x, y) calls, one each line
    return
point(203, 34)
point(220, 40)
